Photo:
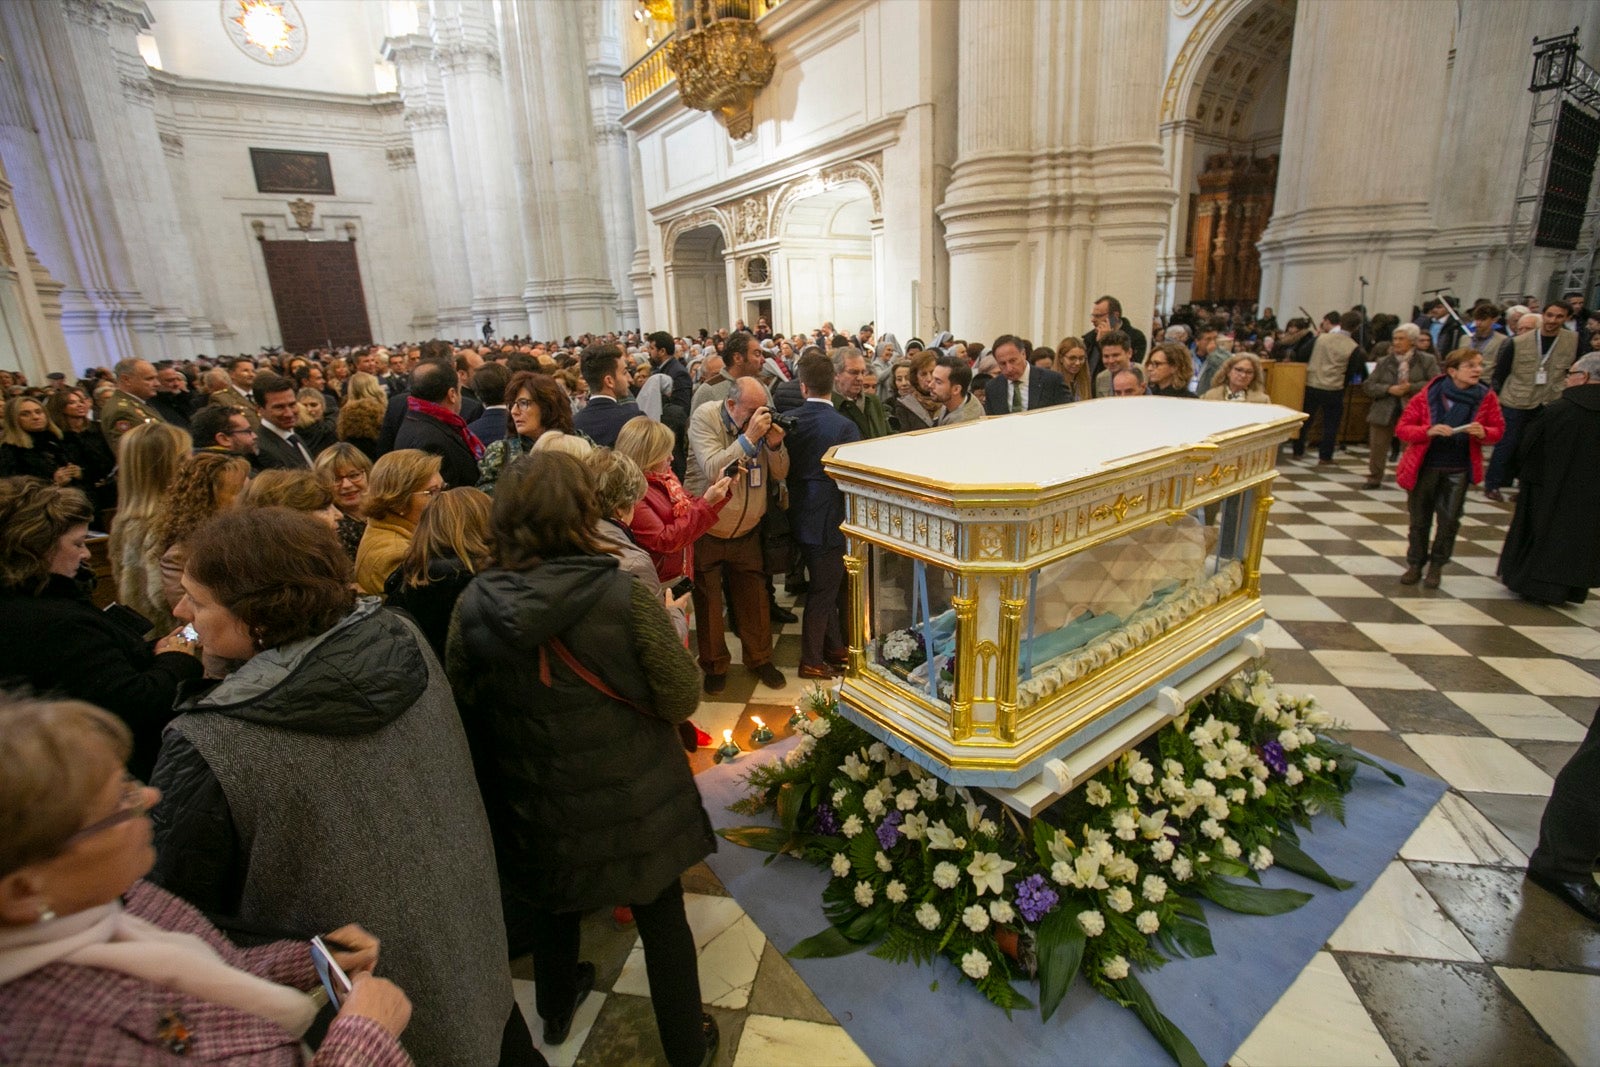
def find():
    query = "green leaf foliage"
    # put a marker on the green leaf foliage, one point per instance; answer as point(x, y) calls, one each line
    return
point(764, 838)
point(1060, 947)
point(1291, 857)
point(829, 942)
point(1249, 899)
point(1161, 1028)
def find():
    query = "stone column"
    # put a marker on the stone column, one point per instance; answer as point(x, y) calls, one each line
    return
point(468, 55)
point(423, 95)
point(607, 102)
point(1058, 194)
point(640, 274)
point(1355, 183)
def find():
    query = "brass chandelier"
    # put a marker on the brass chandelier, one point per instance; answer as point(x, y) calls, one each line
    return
point(720, 61)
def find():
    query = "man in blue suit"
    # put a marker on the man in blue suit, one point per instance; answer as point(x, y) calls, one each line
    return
point(1020, 386)
point(610, 405)
point(816, 510)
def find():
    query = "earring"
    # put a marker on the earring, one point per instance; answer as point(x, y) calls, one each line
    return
point(46, 915)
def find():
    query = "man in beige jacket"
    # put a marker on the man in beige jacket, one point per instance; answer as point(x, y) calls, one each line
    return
point(736, 433)
point(1325, 378)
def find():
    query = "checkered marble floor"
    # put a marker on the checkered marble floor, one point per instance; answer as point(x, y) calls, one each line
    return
point(1451, 957)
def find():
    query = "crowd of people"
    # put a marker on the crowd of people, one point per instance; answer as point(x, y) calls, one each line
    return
point(412, 637)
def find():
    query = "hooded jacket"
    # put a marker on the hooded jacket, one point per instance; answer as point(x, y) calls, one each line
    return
point(328, 781)
point(591, 799)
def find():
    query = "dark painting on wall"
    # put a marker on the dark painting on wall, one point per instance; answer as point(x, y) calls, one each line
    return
point(287, 171)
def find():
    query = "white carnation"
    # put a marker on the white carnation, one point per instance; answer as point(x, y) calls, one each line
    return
point(906, 799)
point(864, 894)
point(1162, 850)
point(841, 865)
point(1155, 888)
point(1293, 775)
point(819, 728)
point(883, 862)
point(1215, 769)
point(1212, 829)
point(1313, 764)
point(839, 795)
point(1061, 873)
point(1147, 922)
point(1230, 848)
point(976, 918)
point(1203, 789)
point(1119, 899)
point(1142, 772)
point(1093, 923)
point(946, 875)
point(1000, 911)
point(1236, 796)
point(1116, 968)
point(928, 916)
point(895, 892)
point(1289, 739)
point(1258, 788)
point(1182, 869)
point(877, 752)
point(975, 965)
point(1217, 808)
point(1261, 858)
point(1331, 766)
point(873, 803)
point(1125, 825)
point(852, 826)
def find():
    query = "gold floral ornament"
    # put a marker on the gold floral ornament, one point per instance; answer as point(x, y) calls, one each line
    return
point(268, 31)
point(720, 63)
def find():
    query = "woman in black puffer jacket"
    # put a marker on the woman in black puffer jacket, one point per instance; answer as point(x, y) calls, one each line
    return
point(449, 548)
point(571, 680)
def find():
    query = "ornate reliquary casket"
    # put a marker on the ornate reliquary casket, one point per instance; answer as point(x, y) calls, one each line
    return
point(1032, 595)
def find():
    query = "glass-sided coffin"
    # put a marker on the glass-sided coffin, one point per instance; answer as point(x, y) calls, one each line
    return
point(1034, 594)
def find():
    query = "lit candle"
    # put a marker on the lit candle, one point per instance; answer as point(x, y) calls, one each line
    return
point(762, 735)
point(728, 750)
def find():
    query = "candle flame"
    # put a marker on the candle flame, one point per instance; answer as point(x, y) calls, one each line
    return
point(757, 720)
point(727, 737)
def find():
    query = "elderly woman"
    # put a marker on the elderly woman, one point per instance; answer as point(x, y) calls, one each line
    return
point(667, 521)
point(537, 406)
point(31, 444)
point(571, 680)
point(149, 456)
point(1400, 369)
point(402, 485)
point(327, 776)
point(86, 947)
point(449, 548)
point(1444, 428)
point(1239, 379)
point(344, 469)
point(52, 637)
point(1168, 369)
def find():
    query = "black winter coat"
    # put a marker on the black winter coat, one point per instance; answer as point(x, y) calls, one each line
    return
point(47, 456)
point(457, 465)
point(1552, 550)
point(430, 605)
point(59, 643)
point(591, 801)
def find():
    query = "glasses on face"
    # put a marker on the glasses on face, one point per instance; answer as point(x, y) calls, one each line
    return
point(1156, 363)
point(131, 806)
point(431, 491)
point(353, 477)
point(246, 431)
point(522, 404)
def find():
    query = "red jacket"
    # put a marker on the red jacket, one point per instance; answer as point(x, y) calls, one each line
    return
point(1413, 432)
point(669, 538)
point(67, 1014)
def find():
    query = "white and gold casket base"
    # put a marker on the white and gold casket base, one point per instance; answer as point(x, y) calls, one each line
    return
point(1034, 594)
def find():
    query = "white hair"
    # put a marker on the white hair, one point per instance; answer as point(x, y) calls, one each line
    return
point(1409, 330)
point(1177, 332)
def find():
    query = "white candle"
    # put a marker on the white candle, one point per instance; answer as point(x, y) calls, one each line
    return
point(727, 737)
point(757, 720)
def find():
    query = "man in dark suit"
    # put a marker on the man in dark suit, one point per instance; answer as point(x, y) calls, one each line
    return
point(490, 382)
point(396, 411)
point(610, 405)
point(1106, 317)
point(433, 424)
point(280, 447)
point(816, 509)
point(1020, 386)
point(664, 359)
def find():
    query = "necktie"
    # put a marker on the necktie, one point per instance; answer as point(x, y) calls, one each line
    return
point(1016, 396)
point(294, 440)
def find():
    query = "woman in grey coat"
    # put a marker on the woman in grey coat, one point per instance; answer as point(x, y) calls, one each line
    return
point(1399, 370)
point(327, 779)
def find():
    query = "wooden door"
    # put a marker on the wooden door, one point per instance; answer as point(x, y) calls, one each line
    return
point(316, 289)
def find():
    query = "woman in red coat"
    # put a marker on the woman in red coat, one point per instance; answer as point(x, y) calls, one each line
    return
point(668, 520)
point(1444, 428)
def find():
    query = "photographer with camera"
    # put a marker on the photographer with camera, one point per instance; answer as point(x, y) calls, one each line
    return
point(736, 439)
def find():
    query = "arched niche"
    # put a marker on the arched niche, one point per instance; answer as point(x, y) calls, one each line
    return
point(828, 251)
point(697, 277)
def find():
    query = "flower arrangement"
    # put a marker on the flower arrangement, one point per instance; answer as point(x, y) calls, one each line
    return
point(901, 652)
point(1103, 883)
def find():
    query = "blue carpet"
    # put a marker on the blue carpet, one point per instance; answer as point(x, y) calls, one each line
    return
point(1217, 1001)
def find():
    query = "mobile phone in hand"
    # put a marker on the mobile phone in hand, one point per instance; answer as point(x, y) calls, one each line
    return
point(733, 470)
point(681, 586)
point(334, 980)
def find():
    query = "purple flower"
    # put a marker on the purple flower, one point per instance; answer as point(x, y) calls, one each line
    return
point(1272, 755)
point(1035, 898)
point(827, 819)
point(889, 829)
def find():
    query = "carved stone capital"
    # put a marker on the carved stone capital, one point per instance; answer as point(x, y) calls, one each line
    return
point(401, 157)
point(467, 58)
point(425, 118)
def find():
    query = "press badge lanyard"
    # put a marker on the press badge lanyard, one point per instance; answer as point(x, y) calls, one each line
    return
point(1540, 376)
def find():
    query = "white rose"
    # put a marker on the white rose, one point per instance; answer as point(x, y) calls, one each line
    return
point(1116, 968)
point(906, 799)
point(1261, 858)
point(852, 826)
point(1119, 899)
point(1147, 922)
point(883, 862)
point(841, 865)
point(1093, 923)
point(895, 891)
point(976, 918)
point(1155, 888)
point(975, 965)
point(946, 875)
point(1000, 911)
point(864, 894)
point(928, 916)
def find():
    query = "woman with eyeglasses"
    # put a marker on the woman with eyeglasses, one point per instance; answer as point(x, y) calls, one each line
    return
point(1167, 370)
point(402, 485)
point(99, 966)
point(344, 469)
point(52, 637)
point(326, 777)
point(537, 405)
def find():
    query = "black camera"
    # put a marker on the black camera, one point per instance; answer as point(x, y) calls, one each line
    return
point(786, 423)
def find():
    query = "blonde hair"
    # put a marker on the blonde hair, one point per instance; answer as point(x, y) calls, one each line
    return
point(197, 494)
point(55, 758)
point(295, 490)
point(364, 386)
point(341, 456)
point(618, 481)
point(14, 433)
point(556, 441)
point(455, 524)
point(645, 441)
point(302, 417)
point(394, 478)
point(148, 457)
point(1258, 384)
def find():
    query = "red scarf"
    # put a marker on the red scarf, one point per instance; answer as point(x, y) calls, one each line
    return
point(674, 490)
point(450, 419)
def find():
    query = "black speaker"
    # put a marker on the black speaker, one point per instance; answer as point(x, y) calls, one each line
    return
point(1567, 182)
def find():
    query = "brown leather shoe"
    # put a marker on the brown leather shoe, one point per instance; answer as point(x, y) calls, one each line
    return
point(1412, 576)
point(1432, 580)
point(817, 670)
point(1495, 495)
